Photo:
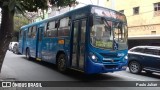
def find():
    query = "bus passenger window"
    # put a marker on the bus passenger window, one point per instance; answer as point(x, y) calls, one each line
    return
point(51, 30)
point(29, 32)
point(64, 28)
point(34, 31)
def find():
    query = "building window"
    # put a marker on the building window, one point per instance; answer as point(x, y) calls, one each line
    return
point(157, 6)
point(157, 9)
point(135, 10)
point(153, 32)
point(121, 11)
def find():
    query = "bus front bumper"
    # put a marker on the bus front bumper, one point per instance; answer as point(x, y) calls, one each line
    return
point(93, 67)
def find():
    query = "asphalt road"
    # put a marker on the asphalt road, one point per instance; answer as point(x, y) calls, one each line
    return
point(16, 67)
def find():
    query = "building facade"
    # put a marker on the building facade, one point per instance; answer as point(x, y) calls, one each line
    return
point(143, 18)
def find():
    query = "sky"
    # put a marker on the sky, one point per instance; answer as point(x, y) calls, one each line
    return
point(86, 2)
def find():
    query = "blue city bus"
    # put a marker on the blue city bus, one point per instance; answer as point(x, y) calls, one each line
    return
point(91, 39)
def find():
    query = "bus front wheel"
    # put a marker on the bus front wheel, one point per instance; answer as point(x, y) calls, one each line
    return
point(28, 54)
point(61, 63)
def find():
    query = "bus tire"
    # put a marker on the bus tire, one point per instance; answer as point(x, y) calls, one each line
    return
point(28, 56)
point(61, 63)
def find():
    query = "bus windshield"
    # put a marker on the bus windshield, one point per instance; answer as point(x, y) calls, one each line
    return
point(120, 35)
point(107, 34)
point(101, 34)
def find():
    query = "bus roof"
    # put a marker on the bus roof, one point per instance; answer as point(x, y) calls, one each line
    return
point(86, 9)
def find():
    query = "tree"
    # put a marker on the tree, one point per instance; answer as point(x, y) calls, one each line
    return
point(19, 21)
point(9, 7)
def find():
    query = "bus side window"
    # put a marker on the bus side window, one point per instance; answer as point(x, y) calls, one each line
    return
point(51, 30)
point(34, 31)
point(29, 32)
point(21, 33)
point(45, 29)
point(64, 27)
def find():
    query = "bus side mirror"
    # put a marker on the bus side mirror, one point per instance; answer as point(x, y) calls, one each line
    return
point(91, 20)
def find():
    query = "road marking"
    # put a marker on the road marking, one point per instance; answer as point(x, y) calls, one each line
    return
point(129, 77)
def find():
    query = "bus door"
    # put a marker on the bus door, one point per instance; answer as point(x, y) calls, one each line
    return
point(78, 44)
point(24, 41)
point(39, 43)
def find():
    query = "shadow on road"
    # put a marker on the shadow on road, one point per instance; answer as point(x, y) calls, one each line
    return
point(154, 75)
point(143, 73)
point(76, 74)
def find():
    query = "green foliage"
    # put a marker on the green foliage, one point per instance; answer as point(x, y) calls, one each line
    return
point(62, 2)
point(19, 21)
point(32, 5)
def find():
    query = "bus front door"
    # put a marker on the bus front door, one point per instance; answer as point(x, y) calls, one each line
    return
point(39, 43)
point(78, 44)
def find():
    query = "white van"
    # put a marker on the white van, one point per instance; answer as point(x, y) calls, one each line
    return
point(11, 45)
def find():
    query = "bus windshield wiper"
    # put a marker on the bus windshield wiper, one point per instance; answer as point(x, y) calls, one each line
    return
point(106, 24)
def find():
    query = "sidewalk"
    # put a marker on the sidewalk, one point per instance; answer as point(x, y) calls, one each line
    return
point(7, 75)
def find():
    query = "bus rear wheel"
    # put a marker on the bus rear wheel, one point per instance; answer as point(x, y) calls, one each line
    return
point(28, 54)
point(61, 63)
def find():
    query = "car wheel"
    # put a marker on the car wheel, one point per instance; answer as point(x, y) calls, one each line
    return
point(28, 54)
point(135, 67)
point(61, 63)
point(14, 50)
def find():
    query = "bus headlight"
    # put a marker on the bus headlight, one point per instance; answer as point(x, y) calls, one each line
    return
point(126, 57)
point(93, 57)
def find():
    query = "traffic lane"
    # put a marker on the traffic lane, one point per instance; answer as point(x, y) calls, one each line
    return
point(31, 70)
point(41, 71)
point(19, 68)
point(116, 76)
point(139, 77)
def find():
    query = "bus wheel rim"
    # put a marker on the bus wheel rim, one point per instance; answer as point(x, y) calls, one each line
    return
point(61, 64)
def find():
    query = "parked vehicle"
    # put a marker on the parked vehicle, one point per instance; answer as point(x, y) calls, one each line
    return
point(15, 48)
point(145, 58)
point(11, 45)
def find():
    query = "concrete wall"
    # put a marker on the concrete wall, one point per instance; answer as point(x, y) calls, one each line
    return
point(145, 23)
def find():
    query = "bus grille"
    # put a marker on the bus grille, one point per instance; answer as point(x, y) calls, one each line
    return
point(111, 66)
point(111, 61)
point(109, 55)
